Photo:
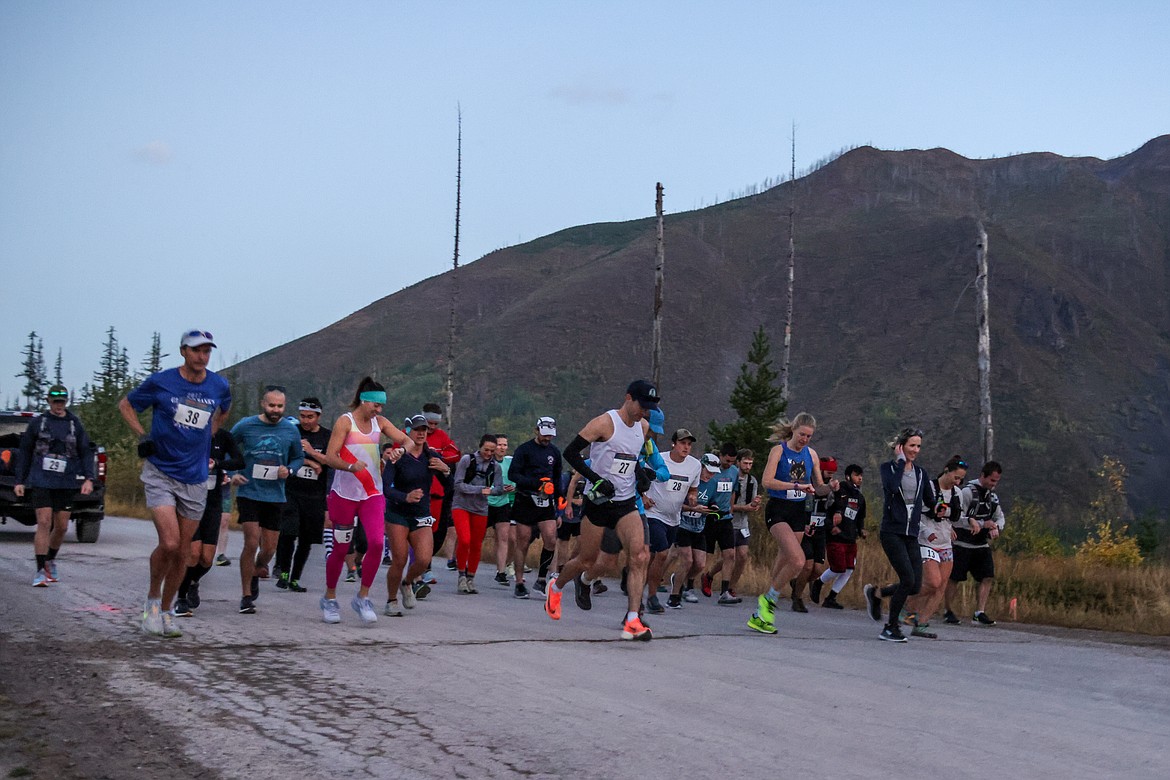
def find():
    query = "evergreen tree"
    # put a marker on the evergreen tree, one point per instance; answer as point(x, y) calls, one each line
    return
point(106, 377)
point(98, 401)
point(57, 378)
point(756, 399)
point(33, 372)
point(152, 364)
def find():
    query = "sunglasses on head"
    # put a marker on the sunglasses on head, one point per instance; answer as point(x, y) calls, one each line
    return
point(198, 334)
point(274, 388)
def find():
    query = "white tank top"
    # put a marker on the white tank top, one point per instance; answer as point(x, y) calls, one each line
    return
point(364, 447)
point(616, 459)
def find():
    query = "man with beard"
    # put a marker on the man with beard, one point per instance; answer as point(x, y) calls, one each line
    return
point(272, 450)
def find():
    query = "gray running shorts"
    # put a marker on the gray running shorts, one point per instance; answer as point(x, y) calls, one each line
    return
point(161, 490)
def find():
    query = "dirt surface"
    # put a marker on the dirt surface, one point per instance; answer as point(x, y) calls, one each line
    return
point(463, 686)
point(59, 718)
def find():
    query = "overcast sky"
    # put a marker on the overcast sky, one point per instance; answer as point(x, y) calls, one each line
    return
point(263, 169)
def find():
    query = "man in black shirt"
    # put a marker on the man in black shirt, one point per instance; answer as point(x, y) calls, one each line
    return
point(303, 515)
point(536, 470)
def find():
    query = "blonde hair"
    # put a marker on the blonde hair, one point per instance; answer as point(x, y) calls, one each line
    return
point(782, 431)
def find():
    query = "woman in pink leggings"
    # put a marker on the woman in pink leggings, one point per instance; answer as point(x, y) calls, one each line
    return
point(356, 492)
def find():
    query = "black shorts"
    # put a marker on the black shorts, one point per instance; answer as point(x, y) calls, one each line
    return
point(57, 499)
point(567, 531)
point(266, 513)
point(303, 515)
point(743, 536)
point(611, 543)
point(607, 515)
point(661, 535)
point(695, 539)
point(208, 530)
point(814, 546)
point(499, 514)
point(792, 513)
point(526, 512)
point(719, 532)
point(411, 524)
point(976, 561)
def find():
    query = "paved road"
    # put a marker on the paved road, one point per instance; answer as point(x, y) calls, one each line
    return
point(487, 686)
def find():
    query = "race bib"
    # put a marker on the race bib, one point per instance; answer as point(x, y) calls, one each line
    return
point(677, 485)
point(930, 554)
point(306, 472)
point(55, 465)
point(265, 471)
point(816, 521)
point(850, 513)
point(795, 495)
point(427, 522)
point(541, 501)
point(746, 532)
point(724, 487)
point(342, 535)
point(212, 482)
point(623, 465)
point(191, 416)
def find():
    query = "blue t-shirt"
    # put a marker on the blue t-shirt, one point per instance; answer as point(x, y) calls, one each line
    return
point(181, 424)
point(266, 448)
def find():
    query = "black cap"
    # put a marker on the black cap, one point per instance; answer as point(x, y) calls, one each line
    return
point(644, 393)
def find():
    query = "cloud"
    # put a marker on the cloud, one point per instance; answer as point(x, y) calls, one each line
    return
point(156, 153)
point(585, 94)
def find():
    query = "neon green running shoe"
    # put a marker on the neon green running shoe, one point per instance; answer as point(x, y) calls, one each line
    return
point(766, 609)
point(755, 623)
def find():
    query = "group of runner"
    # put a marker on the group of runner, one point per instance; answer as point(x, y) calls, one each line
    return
point(377, 493)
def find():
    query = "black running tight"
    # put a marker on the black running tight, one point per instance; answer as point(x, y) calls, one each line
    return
point(906, 558)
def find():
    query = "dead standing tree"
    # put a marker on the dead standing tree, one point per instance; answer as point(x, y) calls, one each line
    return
point(786, 352)
point(454, 276)
point(986, 433)
point(659, 263)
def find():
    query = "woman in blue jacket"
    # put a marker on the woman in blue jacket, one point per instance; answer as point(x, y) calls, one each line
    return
point(906, 489)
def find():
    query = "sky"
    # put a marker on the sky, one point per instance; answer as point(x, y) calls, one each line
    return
point(263, 169)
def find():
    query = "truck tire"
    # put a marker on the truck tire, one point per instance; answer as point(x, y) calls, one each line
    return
point(88, 529)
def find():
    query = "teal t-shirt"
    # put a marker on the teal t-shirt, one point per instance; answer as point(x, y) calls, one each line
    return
point(265, 448)
point(504, 499)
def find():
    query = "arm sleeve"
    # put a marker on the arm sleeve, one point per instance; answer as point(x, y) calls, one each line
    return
point(658, 463)
point(573, 458)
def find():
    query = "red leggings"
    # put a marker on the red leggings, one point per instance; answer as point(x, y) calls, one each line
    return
point(470, 530)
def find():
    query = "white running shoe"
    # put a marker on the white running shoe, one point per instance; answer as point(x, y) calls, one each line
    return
point(365, 609)
point(152, 621)
point(330, 610)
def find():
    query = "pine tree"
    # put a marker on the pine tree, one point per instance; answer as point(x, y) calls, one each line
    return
point(756, 399)
point(105, 379)
point(33, 372)
point(152, 363)
point(57, 378)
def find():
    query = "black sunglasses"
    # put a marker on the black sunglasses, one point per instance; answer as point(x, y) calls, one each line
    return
point(274, 388)
point(197, 334)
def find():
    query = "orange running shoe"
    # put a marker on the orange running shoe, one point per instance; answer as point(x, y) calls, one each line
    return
point(552, 600)
point(633, 629)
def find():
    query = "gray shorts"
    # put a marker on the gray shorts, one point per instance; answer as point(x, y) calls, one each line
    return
point(161, 490)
